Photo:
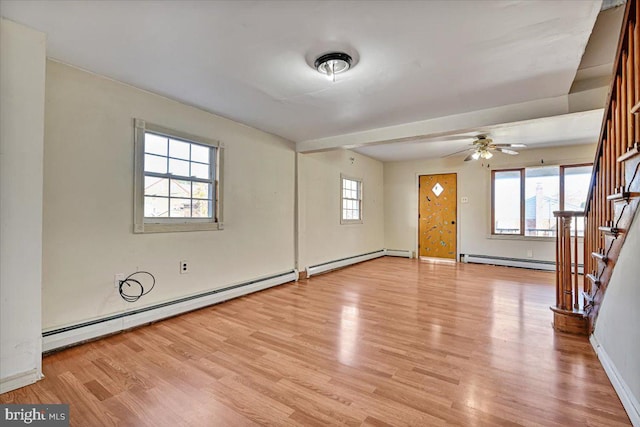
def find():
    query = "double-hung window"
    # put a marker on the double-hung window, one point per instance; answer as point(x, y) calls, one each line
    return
point(350, 200)
point(177, 181)
point(524, 199)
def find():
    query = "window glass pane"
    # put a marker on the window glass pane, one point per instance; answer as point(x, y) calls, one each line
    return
point(201, 208)
point(156, 207)
point(156, 186)
point(180, 208)
point(179, 149)
point(180, 188)
point(200, 153)
point(507, 202)
point(179, 167)
point(200, 171)
point(202, 190)
point(172, 171)
point(576, 187)
point(155, 164)
point(542, 197)
point(155, 144)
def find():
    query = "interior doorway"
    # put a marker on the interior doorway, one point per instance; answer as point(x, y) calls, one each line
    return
point(437, 214)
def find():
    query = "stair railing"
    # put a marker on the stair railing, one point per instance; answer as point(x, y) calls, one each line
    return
point(613, 185)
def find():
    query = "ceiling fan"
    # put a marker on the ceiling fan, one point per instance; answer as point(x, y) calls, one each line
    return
point(483, 146)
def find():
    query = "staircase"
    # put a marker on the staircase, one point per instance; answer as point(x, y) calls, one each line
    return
point(613, 198)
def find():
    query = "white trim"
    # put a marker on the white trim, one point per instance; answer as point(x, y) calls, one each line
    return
point(332, 265)
point(508, 262)
point(399, 253)
point(359, 181)
point(629, 401)
point(19, 380)
point(169, 225)
point(83, 333)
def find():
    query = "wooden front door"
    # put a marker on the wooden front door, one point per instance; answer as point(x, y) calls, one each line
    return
point(437, 216)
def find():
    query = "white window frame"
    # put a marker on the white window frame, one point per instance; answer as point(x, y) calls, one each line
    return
point(164, 225)
point(342, 198)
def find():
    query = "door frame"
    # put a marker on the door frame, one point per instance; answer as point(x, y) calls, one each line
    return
point(417, 211)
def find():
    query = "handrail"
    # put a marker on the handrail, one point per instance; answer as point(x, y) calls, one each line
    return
point(622, 43)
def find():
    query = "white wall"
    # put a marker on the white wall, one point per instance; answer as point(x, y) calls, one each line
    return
point(617, 329)
point(88, 201)
point(474, 182)
point(22, 91)
point(321, 236)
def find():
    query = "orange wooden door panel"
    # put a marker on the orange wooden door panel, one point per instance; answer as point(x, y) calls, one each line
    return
point(437, 215)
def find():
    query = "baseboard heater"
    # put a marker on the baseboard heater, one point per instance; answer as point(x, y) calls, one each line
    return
point(512, 262)
point(69, 335)
point(398, 252)
point(343, 262)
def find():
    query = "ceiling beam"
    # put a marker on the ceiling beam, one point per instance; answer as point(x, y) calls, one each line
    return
point(475, 121)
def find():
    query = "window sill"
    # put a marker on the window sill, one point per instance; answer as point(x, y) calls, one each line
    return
point(529, 238)
point(177, 227)
point(350, 222)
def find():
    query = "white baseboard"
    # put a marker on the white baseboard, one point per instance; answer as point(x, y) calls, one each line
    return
point(64, 337)
point(19, 380)
point(332, 265)
point(398, 252)
point(629, 401)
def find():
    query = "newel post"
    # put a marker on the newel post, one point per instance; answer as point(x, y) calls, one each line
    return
point(567, 314)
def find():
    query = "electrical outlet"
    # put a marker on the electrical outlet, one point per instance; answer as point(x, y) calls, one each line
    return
point(117, 279)
point(464, 200)
point(529, 253)
point(184, 267)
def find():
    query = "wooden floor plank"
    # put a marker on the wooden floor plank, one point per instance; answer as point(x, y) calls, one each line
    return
point(387, 342)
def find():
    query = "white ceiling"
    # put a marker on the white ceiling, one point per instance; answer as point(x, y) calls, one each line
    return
point(249, 60)
point(567, 129)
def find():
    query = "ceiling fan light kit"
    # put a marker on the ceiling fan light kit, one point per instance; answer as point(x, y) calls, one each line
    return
point(483, 146)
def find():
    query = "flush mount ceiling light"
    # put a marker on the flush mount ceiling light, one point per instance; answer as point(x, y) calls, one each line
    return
point(333, 63)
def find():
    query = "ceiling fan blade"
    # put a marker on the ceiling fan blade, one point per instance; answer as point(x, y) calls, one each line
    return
point(458, 152)
point(469, 157)
point(510, 145)
point(506, 151)
point(454, 138)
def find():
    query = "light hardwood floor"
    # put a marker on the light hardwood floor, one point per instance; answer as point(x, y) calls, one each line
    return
point(386, 342)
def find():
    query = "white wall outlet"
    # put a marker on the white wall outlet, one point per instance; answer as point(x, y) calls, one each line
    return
point(529, 253)
point(117, 279)
point(184, 267)
point(464, 199)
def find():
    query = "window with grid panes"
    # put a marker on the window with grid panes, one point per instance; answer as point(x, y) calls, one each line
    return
point(177, 181)
point(351, 200)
